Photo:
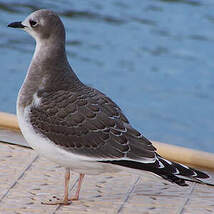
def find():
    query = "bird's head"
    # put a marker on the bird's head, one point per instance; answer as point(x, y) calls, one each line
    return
point(42, 25)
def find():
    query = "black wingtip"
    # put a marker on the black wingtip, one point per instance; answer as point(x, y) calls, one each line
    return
point(16, 25)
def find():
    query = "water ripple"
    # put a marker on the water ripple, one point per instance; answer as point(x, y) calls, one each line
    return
point(92, 16)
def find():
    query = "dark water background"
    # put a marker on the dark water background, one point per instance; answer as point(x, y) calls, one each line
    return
point(153, 57)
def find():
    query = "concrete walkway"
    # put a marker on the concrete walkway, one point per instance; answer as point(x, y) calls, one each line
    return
point(26, 180)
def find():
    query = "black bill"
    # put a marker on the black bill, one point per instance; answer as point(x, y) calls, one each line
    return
point(16, 25)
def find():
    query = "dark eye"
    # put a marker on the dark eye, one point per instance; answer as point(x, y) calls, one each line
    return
point(32, 23)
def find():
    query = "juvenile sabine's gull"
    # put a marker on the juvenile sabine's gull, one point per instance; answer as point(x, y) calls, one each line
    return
point(76, 126)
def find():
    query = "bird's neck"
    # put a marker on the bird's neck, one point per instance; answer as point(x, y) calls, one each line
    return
point(48, 66)
point(50, 54)
point(49, 60)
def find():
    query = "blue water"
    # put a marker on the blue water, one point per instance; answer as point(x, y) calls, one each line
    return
point(155, 58)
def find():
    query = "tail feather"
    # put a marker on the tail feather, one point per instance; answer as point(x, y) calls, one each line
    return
point(183, 170)
point(171, 171)
point(189, 172)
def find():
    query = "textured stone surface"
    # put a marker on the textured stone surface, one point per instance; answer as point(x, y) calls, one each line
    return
point(26, 180)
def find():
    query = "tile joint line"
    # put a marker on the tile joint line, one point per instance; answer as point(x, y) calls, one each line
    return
point(131, 189)
point(187, 199)
point(19, 177)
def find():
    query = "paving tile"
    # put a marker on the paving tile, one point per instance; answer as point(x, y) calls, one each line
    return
point(31, 180)
point(13, 161)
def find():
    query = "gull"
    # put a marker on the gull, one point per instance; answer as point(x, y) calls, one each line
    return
point(76, 126)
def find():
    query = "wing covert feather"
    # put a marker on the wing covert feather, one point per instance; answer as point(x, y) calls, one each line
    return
point(88, 123)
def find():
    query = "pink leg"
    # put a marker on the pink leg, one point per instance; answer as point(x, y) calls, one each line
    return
point(56, 200)
point(67, 179)
point(76, 196)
